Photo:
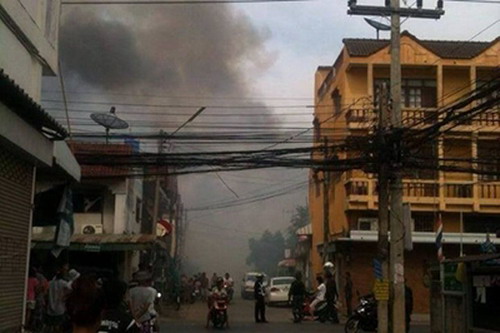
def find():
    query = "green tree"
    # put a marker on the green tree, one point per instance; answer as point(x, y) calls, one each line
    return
point(266, 252)
point(299, 219)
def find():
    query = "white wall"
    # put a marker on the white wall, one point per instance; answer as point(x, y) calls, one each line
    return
point(28, 43)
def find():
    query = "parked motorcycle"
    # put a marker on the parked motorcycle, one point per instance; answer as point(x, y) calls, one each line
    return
point(218, 315)
point(364, 317)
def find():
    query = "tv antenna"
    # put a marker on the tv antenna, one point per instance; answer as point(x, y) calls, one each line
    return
point(378, 26)
point(109, 121)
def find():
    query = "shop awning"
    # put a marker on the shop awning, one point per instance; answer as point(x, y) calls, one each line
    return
point(97, 242)
point(304, 231)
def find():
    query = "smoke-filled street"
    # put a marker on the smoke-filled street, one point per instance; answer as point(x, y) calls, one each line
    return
point(191, 319)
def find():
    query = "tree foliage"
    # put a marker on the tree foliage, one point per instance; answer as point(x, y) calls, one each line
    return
point(266, 251)
point(300, 218)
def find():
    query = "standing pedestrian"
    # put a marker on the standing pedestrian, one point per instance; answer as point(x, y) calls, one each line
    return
point(33, 287)
point(85, 304)
point(408, 306)
point(115, 317)
point(259, 292)
point(59, 289)
point(297, 294)
point(204, 286)
point(348, 293)
point(331, 296)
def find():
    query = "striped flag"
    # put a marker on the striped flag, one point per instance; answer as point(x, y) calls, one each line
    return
point(439, 239)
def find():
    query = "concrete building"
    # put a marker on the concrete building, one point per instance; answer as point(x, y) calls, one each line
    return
point(434, 74)
point(107, 217)
point(31, 149)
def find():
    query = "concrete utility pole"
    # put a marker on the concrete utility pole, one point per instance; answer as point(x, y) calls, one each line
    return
point(383, 205)
point(396, 187)
point(326, 205)
point(156, 207)
point(396, 264)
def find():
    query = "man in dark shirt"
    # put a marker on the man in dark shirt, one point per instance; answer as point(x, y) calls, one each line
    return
point(259, 292)
point(331, 296)
point(116, 318)
point(297, 294)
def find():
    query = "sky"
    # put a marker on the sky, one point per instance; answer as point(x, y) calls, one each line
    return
point(259, 55)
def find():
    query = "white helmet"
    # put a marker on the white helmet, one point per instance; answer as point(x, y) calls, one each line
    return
point(328, 266)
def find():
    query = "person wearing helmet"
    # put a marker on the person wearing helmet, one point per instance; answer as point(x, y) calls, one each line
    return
point(260, 304)
point(217, 292)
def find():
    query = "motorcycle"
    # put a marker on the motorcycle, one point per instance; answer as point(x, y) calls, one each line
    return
point(364, 317)
point(321, 311)
point(230, 291)
point(218, 315)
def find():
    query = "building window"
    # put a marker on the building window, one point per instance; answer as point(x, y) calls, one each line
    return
point(414, 93)
point(488, 160)
point(317, 129)
point(87, 202)
point(138, 210)
point(337, 102)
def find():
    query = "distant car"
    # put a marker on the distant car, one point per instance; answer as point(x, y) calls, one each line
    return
point(248, 284)
point(277, 291)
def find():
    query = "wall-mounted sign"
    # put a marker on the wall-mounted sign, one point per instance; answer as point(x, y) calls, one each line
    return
point(163, 228)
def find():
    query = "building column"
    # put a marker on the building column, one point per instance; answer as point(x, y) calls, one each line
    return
point(442, 189)
point(369, 80)
point(475, 177)
point(439, 85)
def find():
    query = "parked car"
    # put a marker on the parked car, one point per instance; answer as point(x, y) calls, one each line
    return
point(277, 291)
point(248, 284)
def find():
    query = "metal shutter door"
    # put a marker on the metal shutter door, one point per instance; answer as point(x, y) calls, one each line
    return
point(16, 177)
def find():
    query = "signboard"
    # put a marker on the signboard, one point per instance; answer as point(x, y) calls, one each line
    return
point(381, 290)
point(450, 282)
point(92, 248)
point(163, 228)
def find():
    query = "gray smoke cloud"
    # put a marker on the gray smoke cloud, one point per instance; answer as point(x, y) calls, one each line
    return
point(175, 49)
point(187, 51)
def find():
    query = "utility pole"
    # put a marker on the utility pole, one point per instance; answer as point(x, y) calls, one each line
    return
point(156, 206)
point(396, 187)
point(392, 8)
point(383, 205)
point(326, 204)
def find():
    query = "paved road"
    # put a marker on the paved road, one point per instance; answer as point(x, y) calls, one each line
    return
point(191, 319)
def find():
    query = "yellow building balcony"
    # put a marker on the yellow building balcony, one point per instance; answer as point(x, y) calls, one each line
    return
point(428, 195)
point(365, 117)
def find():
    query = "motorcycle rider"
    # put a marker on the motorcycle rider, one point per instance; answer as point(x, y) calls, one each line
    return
point(297, 294)
point(142, 302)
point(229, 284)
point(320, 294)
point(216, 293)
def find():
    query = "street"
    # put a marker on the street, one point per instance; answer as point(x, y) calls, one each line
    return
point(191, 319)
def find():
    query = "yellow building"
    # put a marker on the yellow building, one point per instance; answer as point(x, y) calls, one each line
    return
point(434, 74)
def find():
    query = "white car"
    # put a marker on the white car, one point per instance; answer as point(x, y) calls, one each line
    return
point(248, 284)
point(277, 291)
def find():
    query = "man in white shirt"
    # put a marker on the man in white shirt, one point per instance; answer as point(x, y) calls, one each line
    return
point(320, 294)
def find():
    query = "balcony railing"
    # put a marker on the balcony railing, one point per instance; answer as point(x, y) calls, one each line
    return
point(420, 189)
point(489, 191)
point(356, 187)
point(458, 191)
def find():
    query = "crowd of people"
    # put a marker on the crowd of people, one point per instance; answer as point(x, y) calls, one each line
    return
point(81, 303)
point(200, 284)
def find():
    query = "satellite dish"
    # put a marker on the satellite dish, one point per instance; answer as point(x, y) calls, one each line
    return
point(109, 121)
point(377, 25)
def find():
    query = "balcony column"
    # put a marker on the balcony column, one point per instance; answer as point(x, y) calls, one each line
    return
point(369, 81)
point(371, 193)
point(442, 188)
point(439, 85)
point(472, 72)
point(475, 177)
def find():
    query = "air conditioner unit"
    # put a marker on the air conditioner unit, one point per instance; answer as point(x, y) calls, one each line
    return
point(91, 229)
point(368, 223)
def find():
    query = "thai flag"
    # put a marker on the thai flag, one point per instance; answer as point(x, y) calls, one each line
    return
point(439, 239)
